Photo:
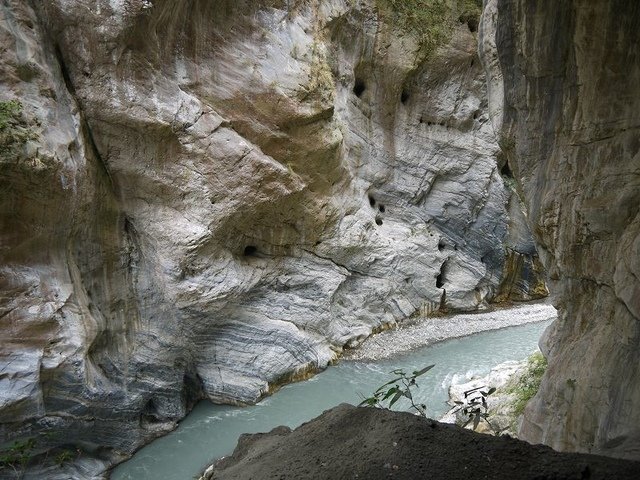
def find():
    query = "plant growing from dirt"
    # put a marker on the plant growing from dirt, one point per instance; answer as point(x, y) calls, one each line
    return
point(397, 388)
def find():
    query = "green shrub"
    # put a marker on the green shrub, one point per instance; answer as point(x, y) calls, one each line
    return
point(432, 21)
point(18, 455)
point(14, 128)
point(527, 386)
point(9, 113)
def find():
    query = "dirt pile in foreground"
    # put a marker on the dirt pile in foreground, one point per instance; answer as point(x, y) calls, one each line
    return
point(365, 443)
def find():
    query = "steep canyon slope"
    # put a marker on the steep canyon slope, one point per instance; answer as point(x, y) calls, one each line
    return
point(564, 90)
point(205, 199)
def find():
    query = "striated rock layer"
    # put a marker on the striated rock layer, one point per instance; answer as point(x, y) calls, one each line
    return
point(203, 199)
point(564, 90)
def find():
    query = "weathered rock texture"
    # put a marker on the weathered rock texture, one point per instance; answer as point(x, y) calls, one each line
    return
point(202, 199)
point(564, 89)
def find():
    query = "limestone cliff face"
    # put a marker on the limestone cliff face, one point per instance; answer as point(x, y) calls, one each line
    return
point(202, 199)
point(564, 89)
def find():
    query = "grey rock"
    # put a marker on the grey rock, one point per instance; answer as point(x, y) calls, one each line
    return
point(206, 206)
point(563, 82)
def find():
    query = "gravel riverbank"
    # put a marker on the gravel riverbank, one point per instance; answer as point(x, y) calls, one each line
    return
point(431, 330)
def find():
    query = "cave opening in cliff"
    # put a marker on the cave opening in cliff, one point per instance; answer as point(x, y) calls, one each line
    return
point(192, 390)
point(382, 208)
point(250, 251)
point(359, 87)
point(404, 97)
point(441, 278)
point(372, 201)
point(378, 221)
point(505, 171)
point(150, 413)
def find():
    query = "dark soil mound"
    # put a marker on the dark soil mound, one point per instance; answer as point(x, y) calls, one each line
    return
point(365, 443)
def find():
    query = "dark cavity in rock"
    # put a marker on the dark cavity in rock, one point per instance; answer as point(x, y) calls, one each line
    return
point(441, 278)
point(359, 87)
point(250, 251)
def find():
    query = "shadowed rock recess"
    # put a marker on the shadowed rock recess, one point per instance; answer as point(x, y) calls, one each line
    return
point(564, 90)
point(206, 199)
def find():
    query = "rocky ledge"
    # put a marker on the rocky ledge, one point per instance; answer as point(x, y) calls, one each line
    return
point(365, 443)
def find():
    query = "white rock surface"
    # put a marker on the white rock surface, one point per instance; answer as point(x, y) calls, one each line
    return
point(207, 208)
point(499, 404)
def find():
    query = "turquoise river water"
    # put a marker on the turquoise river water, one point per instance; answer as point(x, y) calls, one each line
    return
point(211, 431)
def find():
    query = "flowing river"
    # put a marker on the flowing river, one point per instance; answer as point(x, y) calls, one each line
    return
point(211, 431)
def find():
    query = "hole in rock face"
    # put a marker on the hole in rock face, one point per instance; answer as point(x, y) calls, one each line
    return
point(372, 201)
point(441, 278)
point(127, 226)
point(378, 221)
point(192, 390)
point(421, 120)
point(404, 96)
point(506, 171)
point(359, 87)
point(472, 23)
point(475, 114)
point(250, 250)
point(441, 245)
point(381, 208)
point(150, 413)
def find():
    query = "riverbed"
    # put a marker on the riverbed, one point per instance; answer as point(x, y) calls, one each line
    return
point(211, 431)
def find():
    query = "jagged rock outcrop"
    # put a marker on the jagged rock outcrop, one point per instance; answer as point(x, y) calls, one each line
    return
point(202, 199)
point(564, 90)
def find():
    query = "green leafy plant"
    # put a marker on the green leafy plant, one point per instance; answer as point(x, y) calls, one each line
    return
point(397, 388)
point(474, 408)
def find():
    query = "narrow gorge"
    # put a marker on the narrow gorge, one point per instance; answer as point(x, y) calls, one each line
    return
point(208, 199)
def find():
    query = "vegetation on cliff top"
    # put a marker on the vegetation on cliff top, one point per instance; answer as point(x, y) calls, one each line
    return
point(432, 21)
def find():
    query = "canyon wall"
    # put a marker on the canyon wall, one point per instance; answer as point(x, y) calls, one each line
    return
point(206, 199)
point(564, 90)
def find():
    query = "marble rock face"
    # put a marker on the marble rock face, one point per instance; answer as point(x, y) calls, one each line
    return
point(564, 95)
point(205, 199)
